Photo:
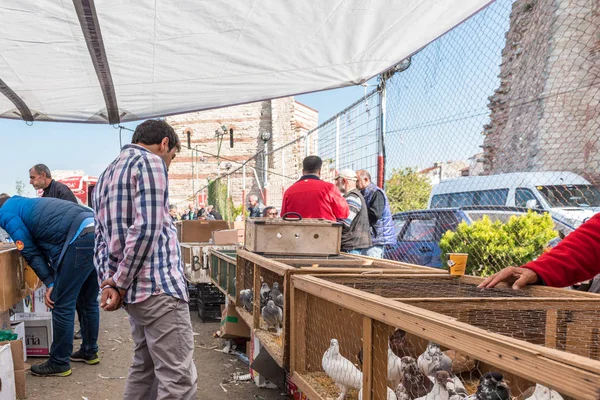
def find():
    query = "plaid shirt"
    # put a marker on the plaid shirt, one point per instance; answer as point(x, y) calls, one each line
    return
point(136, 240)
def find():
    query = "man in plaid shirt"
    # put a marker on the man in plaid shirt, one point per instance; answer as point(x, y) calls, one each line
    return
point(138, 260)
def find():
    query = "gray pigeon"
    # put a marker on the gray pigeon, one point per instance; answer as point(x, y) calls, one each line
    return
point(275, 291)
point(279, 300)
point(246, 298)
point(491, 387)
point(265, 292)
point(273, 316)
point(433, 360)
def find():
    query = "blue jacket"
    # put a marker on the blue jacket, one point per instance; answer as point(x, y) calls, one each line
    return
point(383, 231)
point(46, 227)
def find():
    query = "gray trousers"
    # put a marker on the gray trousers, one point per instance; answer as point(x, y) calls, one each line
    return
point(164, 347)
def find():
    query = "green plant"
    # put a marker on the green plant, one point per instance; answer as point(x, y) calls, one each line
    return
point(492, 246)
point(217, 196)
point(407, 190)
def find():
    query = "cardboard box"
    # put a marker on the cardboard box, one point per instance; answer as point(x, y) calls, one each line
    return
point(7, 373)
point(17, 279)
point(16, 350)
point(38, 333)
point(39, 304)
point(223, 237)
point(198, 231)
point(24, 306)
point(232, 325)
point(19, 329)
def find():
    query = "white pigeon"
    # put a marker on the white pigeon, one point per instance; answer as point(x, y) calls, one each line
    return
point(455, 386)
point(273, 316)
point(390, 395)
point(344, 373)
point(440, 387)
point(433, 360)
point(394, 368)
point(543, 393)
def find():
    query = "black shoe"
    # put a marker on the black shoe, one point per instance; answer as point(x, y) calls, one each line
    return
point(91, 359)
point(47, 369)
point(77, 335)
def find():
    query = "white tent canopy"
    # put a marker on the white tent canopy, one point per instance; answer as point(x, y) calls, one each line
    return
point(110, 61)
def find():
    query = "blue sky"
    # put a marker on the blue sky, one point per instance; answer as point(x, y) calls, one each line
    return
point(92, 147)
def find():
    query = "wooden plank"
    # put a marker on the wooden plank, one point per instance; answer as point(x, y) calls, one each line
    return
point(580, 376)
point(322, 261)
point(256, 305)
point(336, 272)
point(287, 315)
point(246, 316)
point(551, 328)
point(367, 366)
point(264, 262)
point(305, 387)
point(267, 341)
point(380, 359)
point(381, 261)
point(526, 304)
point(298, 316)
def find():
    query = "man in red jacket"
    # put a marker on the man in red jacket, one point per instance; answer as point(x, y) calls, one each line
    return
point(575, 259)
point(312, 198)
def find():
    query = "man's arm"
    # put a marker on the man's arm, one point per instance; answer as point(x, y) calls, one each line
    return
point(150, 182)
point(354, 205)
point(575, 259)
point(17, 230)
point(376, 207)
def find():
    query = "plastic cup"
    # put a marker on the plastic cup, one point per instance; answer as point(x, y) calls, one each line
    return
point(457, 262)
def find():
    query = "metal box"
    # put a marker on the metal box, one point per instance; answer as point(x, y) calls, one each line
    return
point(304, 237)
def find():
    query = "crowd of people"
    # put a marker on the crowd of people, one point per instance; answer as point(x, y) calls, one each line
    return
point(127, 249)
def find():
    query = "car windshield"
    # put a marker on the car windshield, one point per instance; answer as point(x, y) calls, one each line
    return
point(571, 195)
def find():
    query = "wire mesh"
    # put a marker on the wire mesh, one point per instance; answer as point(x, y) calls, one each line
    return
point(338, 339)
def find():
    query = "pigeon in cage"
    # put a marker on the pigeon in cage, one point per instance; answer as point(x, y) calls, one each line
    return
point(265, 292)
point(273, 316)
point(279, 300)
point(394, 368)
point(275, 291)
point(413, 383)
point(433, 360)
point(390, 394)
point(540, 392)
point(345, 374)
point(440, 391)
point(491, 387)
point(400, 345)
point(246, 298)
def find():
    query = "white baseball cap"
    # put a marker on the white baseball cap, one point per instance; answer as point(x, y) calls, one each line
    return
point(347, 173)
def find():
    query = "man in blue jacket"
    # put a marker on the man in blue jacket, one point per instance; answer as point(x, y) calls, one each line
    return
point(56, 238)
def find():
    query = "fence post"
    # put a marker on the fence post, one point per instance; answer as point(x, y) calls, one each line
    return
point(381, 137)
point(337, 144)
point(244, 191)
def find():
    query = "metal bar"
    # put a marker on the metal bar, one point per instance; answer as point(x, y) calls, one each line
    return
point(337, 144)
point(90, 26)
point(17, 101)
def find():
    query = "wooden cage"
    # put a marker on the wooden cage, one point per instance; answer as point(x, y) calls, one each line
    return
point(196, 260)
point(253, 270)
point(223, 271)
point(539, 335)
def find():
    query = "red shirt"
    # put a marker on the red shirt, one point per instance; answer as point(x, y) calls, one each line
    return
point(575, 259)
point(313, 198)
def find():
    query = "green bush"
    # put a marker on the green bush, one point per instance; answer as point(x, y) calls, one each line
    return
point(407, 190)
point(217, 196)
point(494, 245)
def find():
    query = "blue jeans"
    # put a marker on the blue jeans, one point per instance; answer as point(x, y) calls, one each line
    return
point(355, 251)
point(75, 284)
point(375, 252)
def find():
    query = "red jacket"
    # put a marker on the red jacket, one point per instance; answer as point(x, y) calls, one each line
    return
point(575, 259)
point(313, 198)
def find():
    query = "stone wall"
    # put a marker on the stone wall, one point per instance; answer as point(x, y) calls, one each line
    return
point(284, 118)
point(545, 116)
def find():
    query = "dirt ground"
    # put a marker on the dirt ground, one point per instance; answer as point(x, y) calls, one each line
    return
point(107, 380)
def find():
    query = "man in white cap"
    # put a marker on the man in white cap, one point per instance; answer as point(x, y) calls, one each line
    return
point(356, 232)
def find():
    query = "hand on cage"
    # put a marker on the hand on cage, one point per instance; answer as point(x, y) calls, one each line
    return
point(517, 277)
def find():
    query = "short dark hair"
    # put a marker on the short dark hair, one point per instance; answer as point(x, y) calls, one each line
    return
point(42, 169)
point(3, 199)
point(153, 131)
point(312, 164)
point(267, 209)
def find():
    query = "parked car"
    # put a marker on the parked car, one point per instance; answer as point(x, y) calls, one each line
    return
point(568, 197)
point(419, 232)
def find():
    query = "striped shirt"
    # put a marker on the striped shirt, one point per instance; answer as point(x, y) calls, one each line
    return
point(354, 204)
point(136, 240)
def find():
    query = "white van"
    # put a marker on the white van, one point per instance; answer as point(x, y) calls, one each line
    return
point(569, 198)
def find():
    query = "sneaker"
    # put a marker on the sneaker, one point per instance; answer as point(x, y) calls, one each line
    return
point(80, 356)
point(77, 335)
point(47, 369)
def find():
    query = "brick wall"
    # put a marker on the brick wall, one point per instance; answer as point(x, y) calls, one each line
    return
point(545, 116)
point(284, 118)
